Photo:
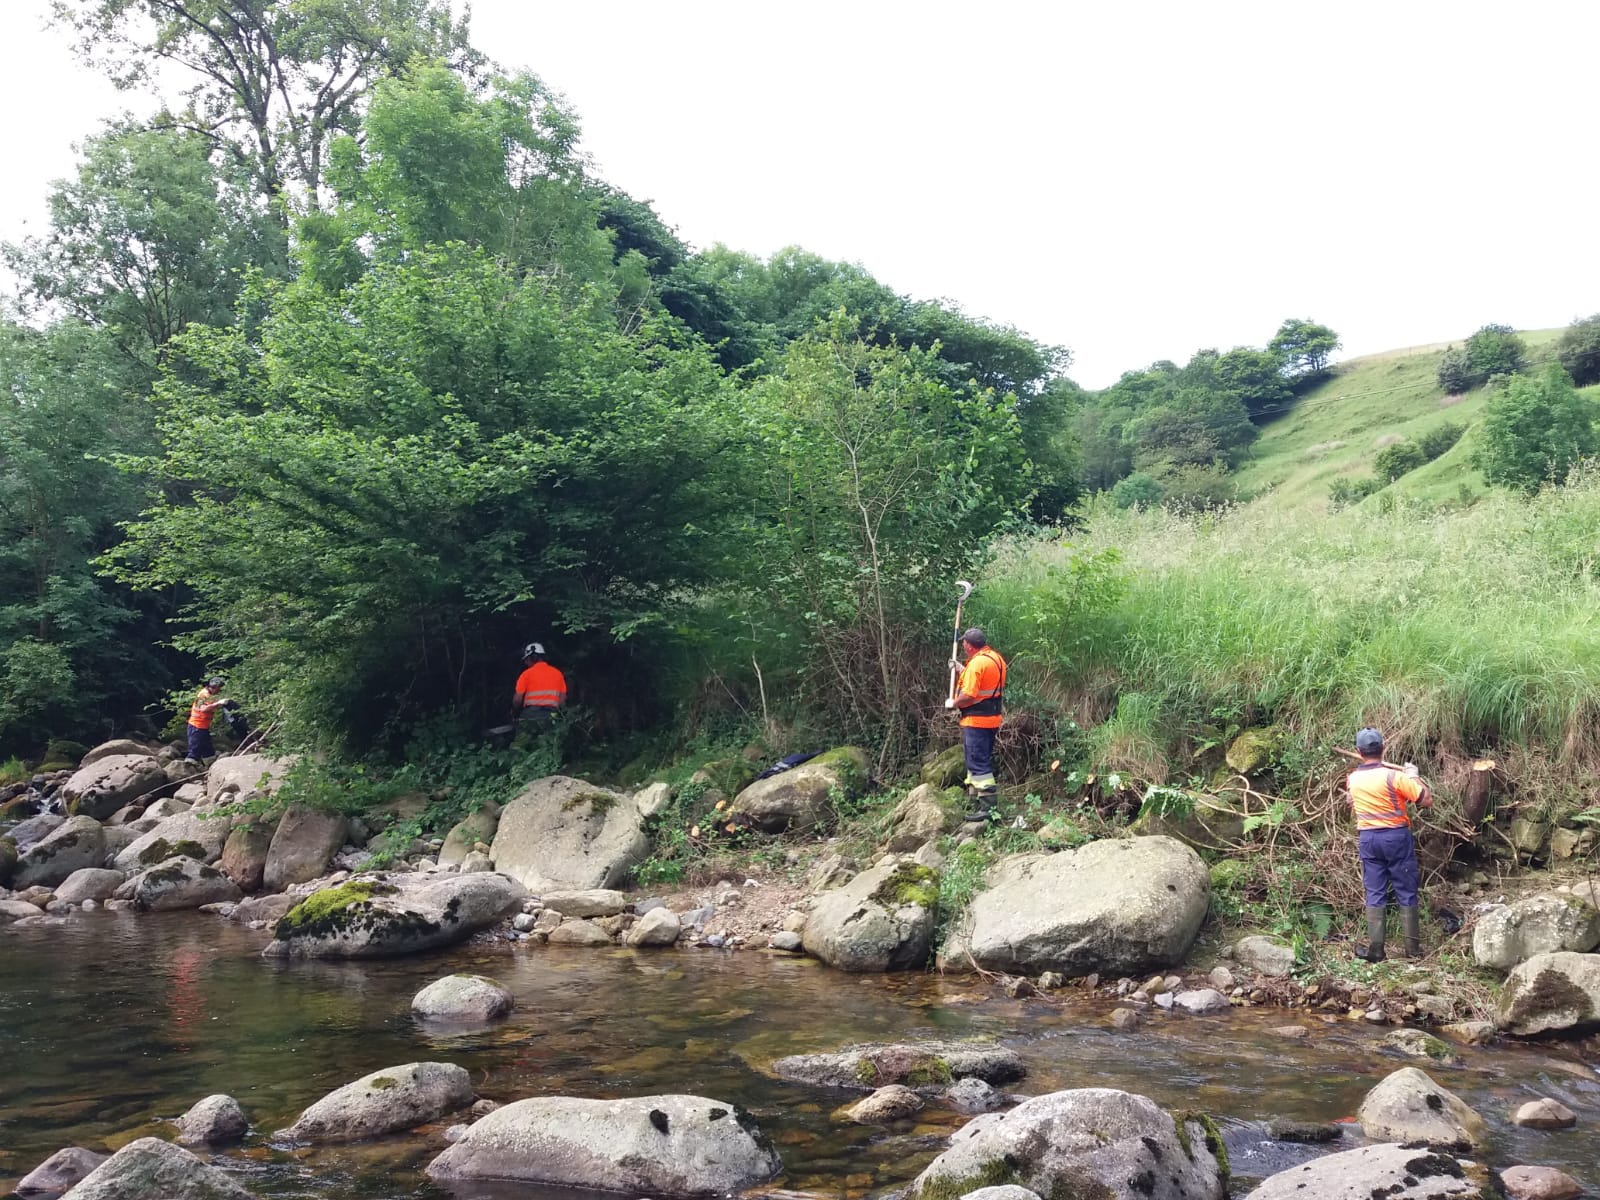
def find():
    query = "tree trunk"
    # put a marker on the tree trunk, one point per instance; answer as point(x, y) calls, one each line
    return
point(1480, 781)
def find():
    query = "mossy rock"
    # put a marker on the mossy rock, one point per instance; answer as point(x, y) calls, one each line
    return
point(160, 850)
point(909, 883)
point(331, 909)
point(1061, 833)
point(597, 803)
point(1228, 874)
point(730, 776)
point(1255, 750)
point(948, 768)
point(65, 750)
point(8, 861)
point(849, 767)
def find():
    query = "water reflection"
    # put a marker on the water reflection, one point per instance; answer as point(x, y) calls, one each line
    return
point(116, 1023)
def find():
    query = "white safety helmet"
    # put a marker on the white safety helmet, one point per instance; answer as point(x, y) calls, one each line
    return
point(533, 650)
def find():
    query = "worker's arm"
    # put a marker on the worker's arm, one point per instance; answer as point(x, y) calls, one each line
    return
point(1424, 795)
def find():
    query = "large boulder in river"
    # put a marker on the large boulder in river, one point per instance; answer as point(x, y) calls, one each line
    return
point(644, 1146)
point(106, 784)
point(60, 1171)
point(200, 833)
point(246, 775)
point(150, 1169)
point(302, 847)
point(801, 797)
point(882, 920)
point(35, 829)
point(179, 883)
point(1117, 907)
point(564, 834)
point(1550, 993)
point(1392, 1171)
point(244, 854)
point(91, 883)
point(934, 1065)
point(1408, 1106)
point(1096, 1142)
point(463, 999)
point(213, 1121)
point(116, 747)
point(76, 843)
point(923, 815)
point(1544, 924)
point(385, 1101)
point(381, 915)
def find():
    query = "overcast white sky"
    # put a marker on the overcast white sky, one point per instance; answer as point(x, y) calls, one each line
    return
point(1131, 180)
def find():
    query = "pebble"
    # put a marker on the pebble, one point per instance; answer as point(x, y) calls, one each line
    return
point(1125, 1019)
point(1019, 988)
point(1291, 1031)
point(90, 905)
point(1221, 978)
point(786, 940)
point(1164, 1000)
point(523, 922)
point(1051, 980)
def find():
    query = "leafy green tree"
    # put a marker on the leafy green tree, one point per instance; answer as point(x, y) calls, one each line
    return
point(1303, 348)
point(1139, 490)
point(148, 238)
point(1455, 371)
point(1495, 350)
point(1535, 431)
point(1578, 350)
point(1255, 379)
point(273, 80)
point(1047, 422)
point(1194, 427)
point(877, 481)
point(1440, 440)
point(1396, 460)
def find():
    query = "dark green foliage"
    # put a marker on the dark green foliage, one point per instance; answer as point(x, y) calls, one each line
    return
point(1303, 348)
point(1346, 491)
point(1394, 461)
point(1535, 431)
point(1578, 350)
point(1493, 350)
point(1455, 371)
point(1139, 490)
point(1440, 440)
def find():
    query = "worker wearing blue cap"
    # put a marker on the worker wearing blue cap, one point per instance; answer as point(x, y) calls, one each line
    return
point(1380, 796)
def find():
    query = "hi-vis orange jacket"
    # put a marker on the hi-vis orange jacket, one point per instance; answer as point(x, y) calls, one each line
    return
point(1379, 796)
point(542, 686)
point(201, 717)
point(984, 676)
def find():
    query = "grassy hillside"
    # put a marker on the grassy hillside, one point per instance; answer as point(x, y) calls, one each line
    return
point(1336, 428)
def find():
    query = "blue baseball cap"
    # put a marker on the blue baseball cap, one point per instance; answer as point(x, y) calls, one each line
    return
point(1369, 741)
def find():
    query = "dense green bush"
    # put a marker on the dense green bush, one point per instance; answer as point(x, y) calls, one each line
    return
point(1440, 440)
point(1578, 350)
point(1346, 491)
point(1394, 461)
point(1536, 431)
point(1139, 490)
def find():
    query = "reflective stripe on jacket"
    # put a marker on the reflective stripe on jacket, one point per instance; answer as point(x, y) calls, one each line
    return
point(1379, 795)
point(542, 686)
point(984, 676)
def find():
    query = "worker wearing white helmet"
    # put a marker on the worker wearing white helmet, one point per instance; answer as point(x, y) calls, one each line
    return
point(541, 688)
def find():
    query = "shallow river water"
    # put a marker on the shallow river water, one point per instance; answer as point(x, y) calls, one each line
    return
point(115, 1023)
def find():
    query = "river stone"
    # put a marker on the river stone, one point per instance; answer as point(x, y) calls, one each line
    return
point(60, 1171)
point(105, 785)
point(1414, 1043)
point(1551, 992)
point(1392, 1171)
point(121, 747)
point(26, 833)
point(1408, 1106)
point(304, 844)
point(91, 883)
point(892, 1103)
point(1085, 1142)
point(197, 834)
point(918, 819)
point(800, 797)
point(150, 1169)
point(652, 800)
point(466, 833)
point(1005, 1191)
point(212, 1121)
point(383, 914)
point(563, 834)
point(1543, 924)
point(658, 927)
point(595, 902)
point(17, 910)
point(646, 1146)
point(579, 932)
point(246, 775)
point(385, 1101)
point(1545, 1114)
point(1117, 906)
point(462, 998)
point(930, 1065)
point(244, 855)
point(1539, 1183)
point(1201, 1001)
point(268, 909)
point(77, 843)
point(1265, 956)
point(973, 1095)
point(882, 920)
point(179, 882)
point(168, 807)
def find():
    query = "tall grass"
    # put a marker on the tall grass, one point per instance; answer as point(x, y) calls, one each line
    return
point(1461, 632)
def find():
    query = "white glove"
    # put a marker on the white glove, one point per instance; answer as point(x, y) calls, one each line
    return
point(954, 665)
point(1411, 770)
point(950, 703)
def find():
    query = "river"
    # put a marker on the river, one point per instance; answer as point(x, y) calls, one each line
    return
point(117, 1022)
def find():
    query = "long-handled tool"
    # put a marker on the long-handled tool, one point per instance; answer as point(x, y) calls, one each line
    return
point(955, 642)
point(1353, 754)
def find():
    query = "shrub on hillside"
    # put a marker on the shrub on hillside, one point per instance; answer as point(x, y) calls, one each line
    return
point(1439, 441)
point(1535, 431)
point(1139, 490)
point(1493, 350)
point(1346, 491)
point(1394, 461)
point(1455, 373)
point(1578, 351)
point(1197, 489)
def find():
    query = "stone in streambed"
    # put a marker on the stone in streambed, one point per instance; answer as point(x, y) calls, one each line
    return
point(933, 1065)
point(658, 927)
point(244, 855)
point(892, 1103)
point(106, 784)
point(579, 933)
point(91, 883)
point(650, 1145)
point(178, 883)
point(802, 796)
point(590, 902)
point(1539, 1183)
point(882, 920)
point(1545, 1114)
point(1543, 924)
point(462, 998)
point(150, 1169)
point(212, 1121)
point(1392, 1171)
point(385, 1101)
point(76, 843)
point(302, 847)
point(1098, 1142)
point(1550, 993)
point(381, 915)
point(1409, 1106)
point(62, 1170)
point(1265, 956)
point(563, 834)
